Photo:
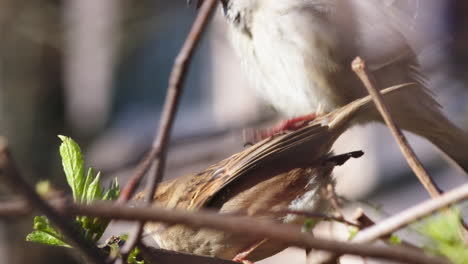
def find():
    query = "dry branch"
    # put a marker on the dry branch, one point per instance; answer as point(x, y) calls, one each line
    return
point(247, 226)
point(366, 222)
point(360, 68)
point(262, 229)
point(174, 92)
point(412, 214)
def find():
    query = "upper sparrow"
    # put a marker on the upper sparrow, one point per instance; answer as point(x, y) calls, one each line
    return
point(298, 54)
point(284, 172)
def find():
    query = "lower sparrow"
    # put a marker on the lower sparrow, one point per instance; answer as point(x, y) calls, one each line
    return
point(267, 180)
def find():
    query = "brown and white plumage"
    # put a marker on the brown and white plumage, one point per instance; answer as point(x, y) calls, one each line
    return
point(283, 172)
point(298, 55)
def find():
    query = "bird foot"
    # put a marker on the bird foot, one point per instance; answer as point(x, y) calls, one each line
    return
point(252, 136)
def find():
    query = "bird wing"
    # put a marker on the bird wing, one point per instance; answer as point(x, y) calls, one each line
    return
point(301, 148)
point(313, 140)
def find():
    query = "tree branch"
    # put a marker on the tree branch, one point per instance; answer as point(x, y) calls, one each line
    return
point(360, 68)
point(251, 227)
point(285, 233)
point(412, 214)
point(366, 222)
point(174, 92)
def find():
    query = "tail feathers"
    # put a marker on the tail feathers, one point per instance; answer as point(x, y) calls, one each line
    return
point(450, 139)
point(341, 117)
point(341, 159)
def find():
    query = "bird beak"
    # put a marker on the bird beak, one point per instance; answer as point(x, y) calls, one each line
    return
point(225, 6)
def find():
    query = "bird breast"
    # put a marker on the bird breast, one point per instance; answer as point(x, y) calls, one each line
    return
point(288, 55)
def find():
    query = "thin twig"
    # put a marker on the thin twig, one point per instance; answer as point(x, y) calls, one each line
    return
point(174, 92)
point(132, 184)
point(331, 257)
point(331, 195)
point(13, 209)
point(366, 222)
point(360, 68)
point(254, 228)
point(315, 215)
point(12, 177)
point(412, 214)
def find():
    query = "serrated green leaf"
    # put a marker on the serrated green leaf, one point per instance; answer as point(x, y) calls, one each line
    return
point(44, 233)
point(72, 162)
point(113, 192)
point(88, 180)
point(94, 227)
point(41, 223)
point(45, 238)
point(86, 189)
point(94, 191)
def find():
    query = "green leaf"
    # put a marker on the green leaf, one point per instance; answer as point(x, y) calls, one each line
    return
point(443, 233)
point(86, 189)
point(88, 180)
point(134, 256)
point(112, 192)
point(394, 240)
point(44, 233)
point(45, 238)
point(353, 231)
point(94, 191)
point(41, 223)
point(94, 227)
point(72, 162)
point(308, 225)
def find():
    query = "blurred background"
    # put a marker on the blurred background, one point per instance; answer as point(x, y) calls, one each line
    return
point(97, 71)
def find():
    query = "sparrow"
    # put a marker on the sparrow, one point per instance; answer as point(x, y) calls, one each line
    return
point(284, 172)
point(297, 54)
